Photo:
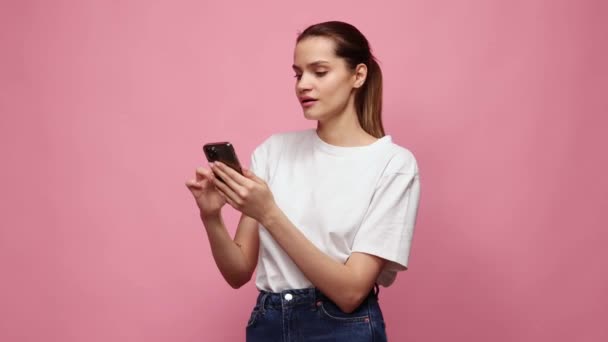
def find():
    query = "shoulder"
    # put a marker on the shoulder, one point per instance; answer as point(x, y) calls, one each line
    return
point(278, 141)
point(290, 136)
point(401, 160)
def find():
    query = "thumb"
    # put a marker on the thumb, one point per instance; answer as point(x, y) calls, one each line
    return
point(193, 185)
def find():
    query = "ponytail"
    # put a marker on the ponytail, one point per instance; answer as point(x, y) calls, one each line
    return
point(368, 101)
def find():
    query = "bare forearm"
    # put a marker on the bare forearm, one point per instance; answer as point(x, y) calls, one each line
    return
point(334, 279)
point(227, 254)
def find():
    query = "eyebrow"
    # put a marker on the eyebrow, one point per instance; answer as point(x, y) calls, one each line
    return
point(315, 63)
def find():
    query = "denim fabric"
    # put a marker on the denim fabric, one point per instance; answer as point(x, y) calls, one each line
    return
point(308, 315)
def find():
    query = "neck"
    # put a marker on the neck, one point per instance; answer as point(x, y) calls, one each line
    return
point(344, 129)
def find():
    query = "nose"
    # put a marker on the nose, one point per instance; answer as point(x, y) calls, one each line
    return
point(304, 84)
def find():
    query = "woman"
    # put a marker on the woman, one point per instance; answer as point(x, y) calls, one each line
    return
point(327, 213)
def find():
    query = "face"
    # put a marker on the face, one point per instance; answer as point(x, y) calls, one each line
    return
point(325, 85)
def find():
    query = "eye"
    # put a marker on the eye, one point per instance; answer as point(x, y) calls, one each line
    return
point(297, 76)
point(320, 73)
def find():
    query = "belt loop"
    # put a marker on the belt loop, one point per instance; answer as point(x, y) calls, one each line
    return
point(263, 301)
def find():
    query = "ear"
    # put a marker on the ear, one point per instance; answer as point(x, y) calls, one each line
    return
point(360, 75)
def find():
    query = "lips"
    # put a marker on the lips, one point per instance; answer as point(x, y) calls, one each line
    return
point(307, 101)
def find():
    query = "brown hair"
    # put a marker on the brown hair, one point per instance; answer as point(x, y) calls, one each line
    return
point(353, 47)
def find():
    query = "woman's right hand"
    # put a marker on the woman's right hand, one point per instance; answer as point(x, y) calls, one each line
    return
point(207, 197)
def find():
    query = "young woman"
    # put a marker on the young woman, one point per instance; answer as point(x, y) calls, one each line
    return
point(327, 213)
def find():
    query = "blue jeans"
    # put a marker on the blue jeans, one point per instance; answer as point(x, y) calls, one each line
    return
point(308, 315)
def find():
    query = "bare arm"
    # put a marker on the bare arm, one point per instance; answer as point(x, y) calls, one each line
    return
point(236, 259)
point(346, 284)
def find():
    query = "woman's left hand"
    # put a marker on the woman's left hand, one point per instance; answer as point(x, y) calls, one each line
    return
point(248, 194)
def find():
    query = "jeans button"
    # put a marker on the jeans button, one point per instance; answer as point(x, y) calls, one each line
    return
point(288, 296)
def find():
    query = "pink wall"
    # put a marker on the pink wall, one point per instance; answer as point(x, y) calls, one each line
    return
point(105, 105)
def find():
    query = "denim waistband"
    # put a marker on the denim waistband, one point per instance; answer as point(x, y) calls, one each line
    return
point(298, 297)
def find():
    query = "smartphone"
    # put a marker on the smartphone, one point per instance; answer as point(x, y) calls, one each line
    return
point(223, 152)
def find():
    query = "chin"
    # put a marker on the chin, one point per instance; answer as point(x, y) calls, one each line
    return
point(308, 116)
point(313, 115)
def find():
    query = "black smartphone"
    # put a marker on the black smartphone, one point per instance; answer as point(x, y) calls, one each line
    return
point(223, 152)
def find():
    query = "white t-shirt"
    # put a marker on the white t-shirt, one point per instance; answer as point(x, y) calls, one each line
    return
point(343, 199)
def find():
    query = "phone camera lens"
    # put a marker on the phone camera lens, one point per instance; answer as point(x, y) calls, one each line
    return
point(212, 152)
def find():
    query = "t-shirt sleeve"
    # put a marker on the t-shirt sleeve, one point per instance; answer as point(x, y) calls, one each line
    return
point(388, 226)
point(259, 160)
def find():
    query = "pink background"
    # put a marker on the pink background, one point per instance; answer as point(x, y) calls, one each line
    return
point(105, 106)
